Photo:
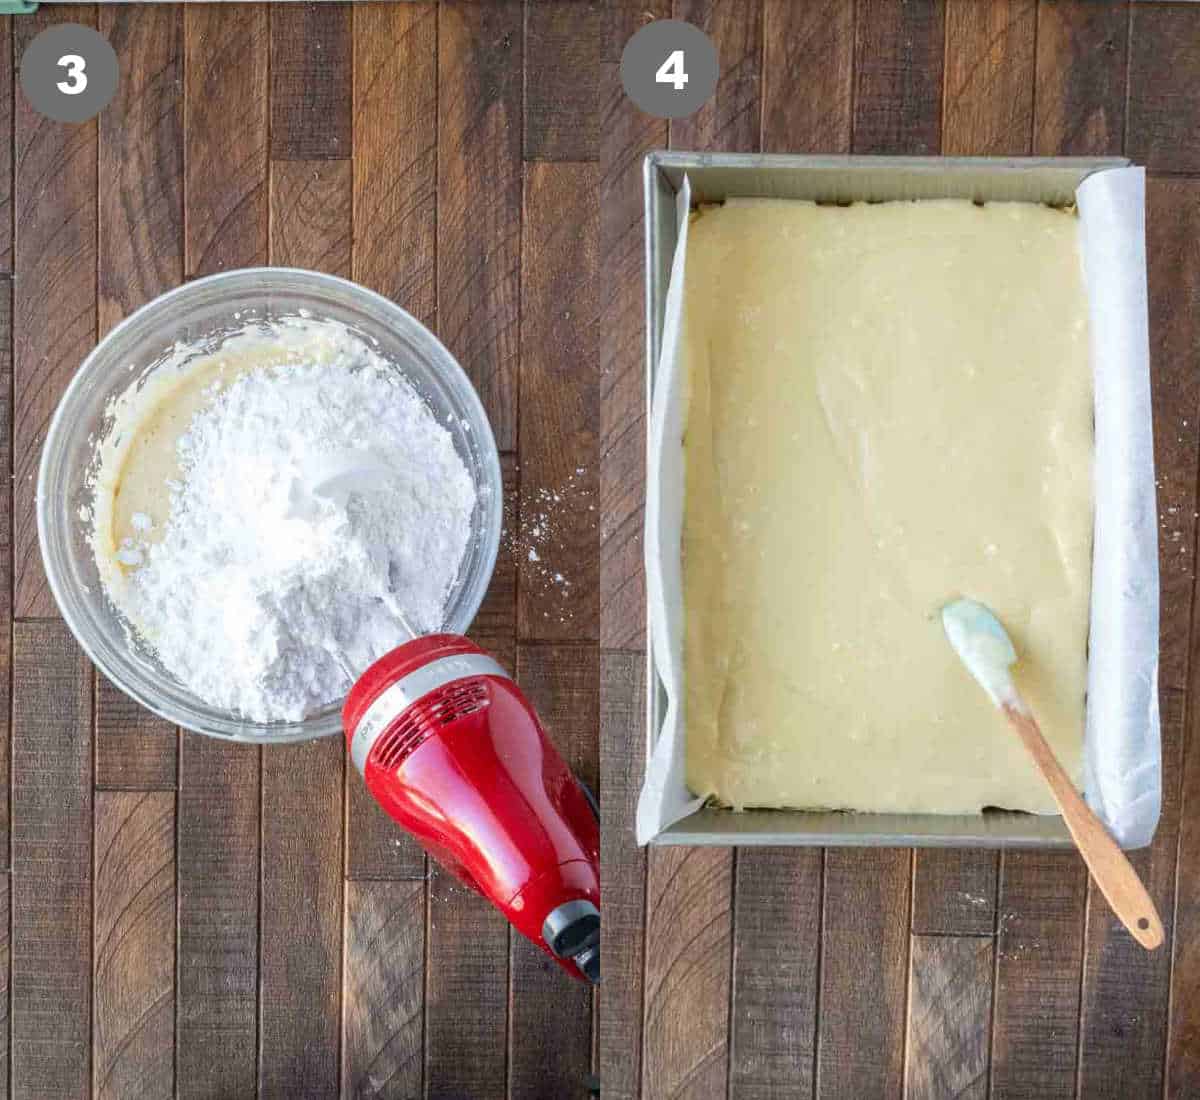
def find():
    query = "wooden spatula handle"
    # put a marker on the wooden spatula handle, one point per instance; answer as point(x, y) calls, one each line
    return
point(1114, 874)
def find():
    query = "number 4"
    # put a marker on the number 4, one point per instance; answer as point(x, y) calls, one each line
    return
point(671, 71)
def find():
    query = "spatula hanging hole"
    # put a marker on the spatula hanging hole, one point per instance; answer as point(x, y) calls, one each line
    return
point(1143, 923)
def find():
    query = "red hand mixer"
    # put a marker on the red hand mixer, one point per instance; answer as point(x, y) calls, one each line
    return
point(455, 754)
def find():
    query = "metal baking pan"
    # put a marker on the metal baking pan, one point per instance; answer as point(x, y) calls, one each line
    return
point(715, 177)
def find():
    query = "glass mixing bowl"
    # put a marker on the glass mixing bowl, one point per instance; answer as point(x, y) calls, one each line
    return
point(204, 312)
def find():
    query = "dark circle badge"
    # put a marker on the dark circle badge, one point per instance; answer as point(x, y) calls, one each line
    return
point(669, 68)
point(69, 72)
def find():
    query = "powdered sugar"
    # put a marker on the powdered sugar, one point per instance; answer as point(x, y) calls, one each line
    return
point(257, 588)
point(541, 537)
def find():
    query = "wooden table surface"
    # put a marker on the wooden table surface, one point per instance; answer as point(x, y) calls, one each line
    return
point(855, 975)
point(209, 920)
point(204, 919)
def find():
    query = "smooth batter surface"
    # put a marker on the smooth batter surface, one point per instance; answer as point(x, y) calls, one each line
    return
point(889, 406)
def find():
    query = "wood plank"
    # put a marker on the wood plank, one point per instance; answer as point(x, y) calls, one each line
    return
point(466, 992)
point(478, 294)
point(1183, 1033)
point(809, 46)
point(300, 921)
point(898, 63)
point(626, 134)
point(5, 983)
point(622, 874)
point(1123, 1030)
point(1080, 109)
point(395, 153)
point(394, 212)
point(140, 245)
point(1173, 261)
point(954, 892)
point(1164, 87)
point(989, 77)
point(6, 573)
point(864, 973)
point(479, 199)
point(562, 54)
point(987, 111)
point(563, 684)
point(689, 932)
point(550, 1031)
point(135, 749)
point(51, 864)
point(6, 668)
point(1038, 971)
point(1042, 894)
point(729, 120)
point(624, 18)
point(777, 946)
point(311, 223)
point(6, 145)
point(54, 296)
point(1082, 49)
point(1175, 209)
point(141, 162)
point(302, 815)
point(217, 959)
point(558, 578)
point(133, 1015)
point(219, 842)
point(777, 911)
point(1039, 957)
point(898, 76)
point(310, 81)
point(949, 1018)
point(384, 989)
point(226, 52)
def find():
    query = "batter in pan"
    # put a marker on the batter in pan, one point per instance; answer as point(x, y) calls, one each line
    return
point(890, 405)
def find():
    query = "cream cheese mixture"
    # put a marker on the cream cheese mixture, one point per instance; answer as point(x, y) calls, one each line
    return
point(271, 512)
point(139, 456)
point(890, 406)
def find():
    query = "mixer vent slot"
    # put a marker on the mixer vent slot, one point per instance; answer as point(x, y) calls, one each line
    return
point(457, 701)
point(421, 720)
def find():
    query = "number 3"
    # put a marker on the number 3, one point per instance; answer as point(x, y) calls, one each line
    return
point(76, 68)
point(671, 71)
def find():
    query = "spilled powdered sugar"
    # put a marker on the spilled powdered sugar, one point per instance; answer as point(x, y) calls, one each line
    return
point(257, 584)
point(539, 533)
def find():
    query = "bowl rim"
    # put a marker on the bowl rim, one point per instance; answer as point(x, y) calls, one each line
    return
point(249, 732)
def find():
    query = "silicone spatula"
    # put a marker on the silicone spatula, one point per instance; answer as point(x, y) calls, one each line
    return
point(984, 646)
